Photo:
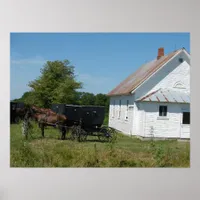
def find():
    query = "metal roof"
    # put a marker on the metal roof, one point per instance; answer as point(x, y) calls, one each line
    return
point(138, 77)
point(166, 95)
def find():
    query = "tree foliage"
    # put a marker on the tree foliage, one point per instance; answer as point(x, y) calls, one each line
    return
point(57, 84)
point(102, 100)
point(27, 98)
point(86, 98)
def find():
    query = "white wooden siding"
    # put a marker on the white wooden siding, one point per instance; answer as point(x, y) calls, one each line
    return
point(122, 124)
point(167, 127)
point(172, 73)
point(185, 131)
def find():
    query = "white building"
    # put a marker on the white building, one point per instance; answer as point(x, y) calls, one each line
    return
point(155, 100)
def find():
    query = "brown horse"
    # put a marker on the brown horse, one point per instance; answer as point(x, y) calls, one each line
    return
point(46, 117)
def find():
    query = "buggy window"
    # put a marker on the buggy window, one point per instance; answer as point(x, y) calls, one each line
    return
point(95, 113)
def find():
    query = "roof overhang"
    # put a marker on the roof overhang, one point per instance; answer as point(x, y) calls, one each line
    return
point(166, 96)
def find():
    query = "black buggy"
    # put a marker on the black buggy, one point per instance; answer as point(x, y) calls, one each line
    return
point(84, 121)
point(16, 111)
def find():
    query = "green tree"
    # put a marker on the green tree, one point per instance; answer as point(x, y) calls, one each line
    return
point(102, 100)
point(87, 98)
point(57, 84)
point(27, 96)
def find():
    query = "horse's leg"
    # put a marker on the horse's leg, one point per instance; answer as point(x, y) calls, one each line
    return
point(60, 130)
point(42, 129)
point(63, 133)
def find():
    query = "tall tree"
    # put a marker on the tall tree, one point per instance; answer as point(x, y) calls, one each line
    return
point(87, 98)
point(57, 84)
point(26, 97)
point(102, 100)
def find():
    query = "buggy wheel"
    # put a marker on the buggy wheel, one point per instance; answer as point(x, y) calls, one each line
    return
point(113, 134)
point(104, 135)
point(101, 137)
point(81, 135)
point(76, 133)
point(73, 133)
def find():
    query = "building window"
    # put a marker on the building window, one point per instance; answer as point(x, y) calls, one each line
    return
point(163, 111)
point(186, 118)
point(119, 114)
point(126, 112)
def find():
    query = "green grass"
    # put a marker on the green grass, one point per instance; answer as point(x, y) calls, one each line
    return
point(124, 152)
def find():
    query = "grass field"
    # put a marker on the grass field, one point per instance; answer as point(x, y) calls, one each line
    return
point(124, 152)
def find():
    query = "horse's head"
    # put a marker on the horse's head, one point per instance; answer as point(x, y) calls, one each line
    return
point(62, 117)
point(36, 109)
point(51, 112)
point(30, 111)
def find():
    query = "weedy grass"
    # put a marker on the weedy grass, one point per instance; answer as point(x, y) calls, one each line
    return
point(125, 151)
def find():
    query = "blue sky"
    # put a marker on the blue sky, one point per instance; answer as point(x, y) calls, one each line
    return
point(101, 60)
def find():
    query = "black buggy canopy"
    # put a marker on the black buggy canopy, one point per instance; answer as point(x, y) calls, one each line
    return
point(13, 107)
point(90, 115)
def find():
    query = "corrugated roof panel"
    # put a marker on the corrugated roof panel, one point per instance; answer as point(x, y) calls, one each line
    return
point(153, 98)
point(187, 99)
point(177, 96)
point(169, 97)
point(148, 99)
point(163, 95)
point(184, 96)
point(160, 97)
